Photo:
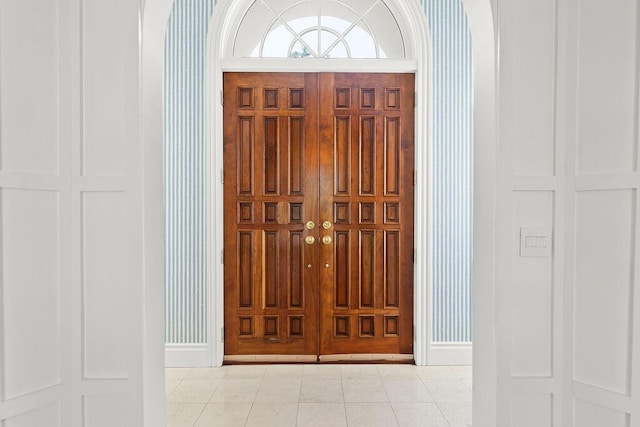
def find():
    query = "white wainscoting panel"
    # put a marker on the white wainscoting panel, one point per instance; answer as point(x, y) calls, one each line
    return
point(98, 411)
point(531, 410)
point(103, 88)
point(532, 291)
point(605, 235)
point(607, 86)
point(31, 285)
point(29, 83)
point(48, 416)
point(592, 415)
point(71, 217)
point(528, 288)
point(106, 306)
point(532, 68)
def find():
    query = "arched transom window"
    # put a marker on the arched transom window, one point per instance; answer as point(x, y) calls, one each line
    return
point(319, 29)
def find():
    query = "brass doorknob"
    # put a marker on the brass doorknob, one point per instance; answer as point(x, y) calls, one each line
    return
point(310, 240)
point(309, 265)
point(326, 240)
point(326, 225)
point(310, 225)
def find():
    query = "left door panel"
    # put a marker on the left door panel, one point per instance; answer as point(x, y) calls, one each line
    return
point(271, 193)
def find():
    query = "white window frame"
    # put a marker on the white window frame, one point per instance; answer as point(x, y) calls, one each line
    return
point(317, 51)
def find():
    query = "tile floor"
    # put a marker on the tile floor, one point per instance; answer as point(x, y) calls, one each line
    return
point(319, 395)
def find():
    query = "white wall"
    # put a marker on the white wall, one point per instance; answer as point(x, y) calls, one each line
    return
point(568, 351)
point(71, 174)
point(71, 238)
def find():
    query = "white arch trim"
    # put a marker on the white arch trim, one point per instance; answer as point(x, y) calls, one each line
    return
point(155, 17)
point(411, 18)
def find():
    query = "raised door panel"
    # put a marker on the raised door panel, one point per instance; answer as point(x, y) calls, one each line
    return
point(270, 171)
point(366, 189)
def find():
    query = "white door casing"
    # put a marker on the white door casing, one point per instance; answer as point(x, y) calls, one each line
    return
point(226, 18)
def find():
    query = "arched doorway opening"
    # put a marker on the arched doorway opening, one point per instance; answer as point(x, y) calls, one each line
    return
point(480, 15)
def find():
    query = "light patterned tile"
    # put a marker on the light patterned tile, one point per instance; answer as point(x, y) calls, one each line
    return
point(236, 391)
point(464, 372)
point(322, 371)
point(407, 391)
point(224, 414)
point(176, 373)
point(283, 371)
point(370, 415)
point(359, 372)
point(287, 391)
point(370, 390)
point(448, 390)
point(206, 373)
point(322, 415)
point(419, 414)
point(193, 392)
point(170, 385)
point(321, 390)
point(398, 371)
point(183, 414)
point(245, 372)
point(458, 414)
point(271, 415)
point(436, 372)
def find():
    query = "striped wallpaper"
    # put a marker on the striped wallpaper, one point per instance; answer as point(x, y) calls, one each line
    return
point(185, 171)
point(185, 179)
point(453, 169)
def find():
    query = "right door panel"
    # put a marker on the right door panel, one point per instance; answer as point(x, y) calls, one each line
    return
point(366, 154)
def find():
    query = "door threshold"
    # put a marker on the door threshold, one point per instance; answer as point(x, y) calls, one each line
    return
point(367, 358)
point(325, 358)
point(270, 358)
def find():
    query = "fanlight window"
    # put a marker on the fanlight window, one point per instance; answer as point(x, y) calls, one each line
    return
point(319, 29)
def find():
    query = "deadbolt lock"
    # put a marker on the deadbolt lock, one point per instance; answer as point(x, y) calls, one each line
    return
point(310, 240)
point(326, 240)
point(326, 225)
point(310, 225)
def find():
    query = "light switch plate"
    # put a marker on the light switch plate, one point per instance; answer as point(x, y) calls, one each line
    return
point(536, 241)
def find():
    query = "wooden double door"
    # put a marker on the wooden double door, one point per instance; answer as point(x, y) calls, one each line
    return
point(318, 214)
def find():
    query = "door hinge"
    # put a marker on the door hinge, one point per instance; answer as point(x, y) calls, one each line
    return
point(222, 98)
point(415, 178)
point(222, 256)
point(415, 98)
point(222, 334)
point(414, 255)
point(221, 176)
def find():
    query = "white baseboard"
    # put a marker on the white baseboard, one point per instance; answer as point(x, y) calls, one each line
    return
point(197, 355)
point(450, 354)
point(186, 356)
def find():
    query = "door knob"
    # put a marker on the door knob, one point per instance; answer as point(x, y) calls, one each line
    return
point(309, 266)
point(326, 266)
point(310, 225)
point(326, 240)
point(310, 240)
point(326, 225)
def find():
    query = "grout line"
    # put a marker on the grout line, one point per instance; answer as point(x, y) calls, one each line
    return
point(201, 412)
